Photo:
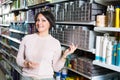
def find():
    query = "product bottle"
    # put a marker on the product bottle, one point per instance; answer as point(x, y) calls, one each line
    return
point(58, 76)
point(110, 15)
point(98, 55)
point(109, 53)
point(104, 47)
point(118, 55)
point(114, 53)
point(64, 74)
point(117, 13)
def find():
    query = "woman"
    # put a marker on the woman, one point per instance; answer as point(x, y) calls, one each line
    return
point(40, 54)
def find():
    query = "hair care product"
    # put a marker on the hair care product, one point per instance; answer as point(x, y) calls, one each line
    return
point(118, 55)
point(117, 13)
point(109, 53)
point(105, 42)
point(110, 15)
point(114, 53)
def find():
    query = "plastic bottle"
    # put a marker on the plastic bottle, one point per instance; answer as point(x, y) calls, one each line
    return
point(105, 42)
point(118, 55)
point(117, 22)
point(58, 76)
point(64, 74)
point(109, 53)
point(114, 53)
point(110, 15)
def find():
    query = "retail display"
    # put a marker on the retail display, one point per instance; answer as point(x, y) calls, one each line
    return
point(75, 23)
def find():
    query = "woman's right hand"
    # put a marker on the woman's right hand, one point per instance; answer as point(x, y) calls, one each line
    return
point(30, 64)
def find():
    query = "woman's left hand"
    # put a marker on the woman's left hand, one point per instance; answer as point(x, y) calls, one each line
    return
point(70, 50)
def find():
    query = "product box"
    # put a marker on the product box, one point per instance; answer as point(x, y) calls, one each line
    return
point(90, 40)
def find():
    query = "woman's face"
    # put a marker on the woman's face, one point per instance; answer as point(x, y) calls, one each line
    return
point(42, 24)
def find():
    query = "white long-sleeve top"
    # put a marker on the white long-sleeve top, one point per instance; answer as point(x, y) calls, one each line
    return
point(44, 50)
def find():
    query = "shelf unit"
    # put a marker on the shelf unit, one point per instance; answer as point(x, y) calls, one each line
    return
point(3, 51)
point(8, 54)
point(92, 50)
point(39, 5)
point(17, 31)
point(22, 21)
point(4, 44)
point(10, 38)
point(14, 66)
point(106, 29)
point(5, 25)
point(4, 70)
point(79, 73)
point(19, 9)
point(112, 67)
point(14, 48)
point(5, 14)
point(100, 77)
point(78, 23)
point(7, 2)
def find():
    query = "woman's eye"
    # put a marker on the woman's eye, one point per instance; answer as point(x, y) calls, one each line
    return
point(44, 20)
point(37, 20)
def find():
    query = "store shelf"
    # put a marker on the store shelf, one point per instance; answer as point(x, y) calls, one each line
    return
point(17, 21)
point(86, 76)
point(19, 9)
point(17, 31)
point(92, 50)
point(13, 39)
point(13, 56)
point(111, 67)
point(5, 14)
point(57, 1)
point(106, 29)
point(7, 2)
point(5, 52)
point(5, 25)
point(22, 21)
point(4, 44)
point(79, 23)
point(29, 21)
point(47, 3)
point(14, 48)
point(11, 64)
point(8, 54)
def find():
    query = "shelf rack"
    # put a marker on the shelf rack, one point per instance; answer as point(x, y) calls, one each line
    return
point(19, 9)
point(13, 39)
point(12, 65)
point(78, 73)
point(5, 25)
point(106, 29)
point(17, 31)
point(14, 48)
point(13, 56)
point(39, 5)
point(22, 21)
point(5, 14)
point(112, 67)
point(5, 71)
point(92, 50)
point(5, 52)
point(78, 23)
point(4, 44)
point(7, 2)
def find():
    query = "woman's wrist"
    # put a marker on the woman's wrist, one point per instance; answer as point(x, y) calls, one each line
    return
point(64, 57)
point(26, 63)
